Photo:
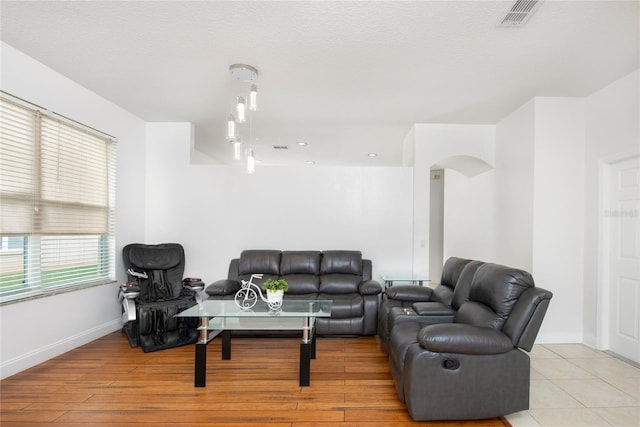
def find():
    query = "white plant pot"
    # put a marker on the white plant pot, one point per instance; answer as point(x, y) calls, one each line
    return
point(275, 296)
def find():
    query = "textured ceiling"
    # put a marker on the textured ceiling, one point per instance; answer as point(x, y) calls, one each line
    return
point(349, 78)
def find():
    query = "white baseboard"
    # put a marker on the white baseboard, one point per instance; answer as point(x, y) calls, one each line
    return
point(42, 354)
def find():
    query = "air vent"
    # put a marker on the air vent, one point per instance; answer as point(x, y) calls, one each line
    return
point(280, 147)
point(519, 13)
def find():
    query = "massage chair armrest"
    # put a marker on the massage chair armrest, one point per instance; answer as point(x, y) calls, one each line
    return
point(369, 287)
point(409, 293)
point(194, 284)
point(461, 338)
point(223, 287)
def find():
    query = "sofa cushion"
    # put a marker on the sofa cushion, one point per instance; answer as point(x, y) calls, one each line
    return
point(259, 261)
point(300, 262)
point(302, 283)
point(346, 262)
point(345, 306)
point(494, 291)
point(463, 286)
point(450, 273)
point(339, 283)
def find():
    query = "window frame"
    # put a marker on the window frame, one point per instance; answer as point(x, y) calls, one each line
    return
point(100, 238)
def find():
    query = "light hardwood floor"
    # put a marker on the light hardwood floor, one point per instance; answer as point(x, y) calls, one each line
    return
point(107, 383)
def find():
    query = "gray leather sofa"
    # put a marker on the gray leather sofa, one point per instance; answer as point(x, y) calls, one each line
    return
point(341, 276)
point(424, 304)
point(468, 363)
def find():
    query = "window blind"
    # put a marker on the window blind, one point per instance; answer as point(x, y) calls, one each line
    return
point(57, 197)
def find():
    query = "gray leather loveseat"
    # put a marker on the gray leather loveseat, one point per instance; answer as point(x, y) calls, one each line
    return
point(341, 276)
point(460, 357)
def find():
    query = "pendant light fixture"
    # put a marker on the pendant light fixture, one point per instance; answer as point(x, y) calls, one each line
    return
point(237, 149)
point(241, 110)
point(231, 128)
point(253, 98)
point(244, 106)
point(251, 162)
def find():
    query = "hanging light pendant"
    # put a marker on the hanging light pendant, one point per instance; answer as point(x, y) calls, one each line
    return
point(232, 130)
point(237, 149)
point(251, 162)
point(241, 110)
point(247, 74)
point(253, 98)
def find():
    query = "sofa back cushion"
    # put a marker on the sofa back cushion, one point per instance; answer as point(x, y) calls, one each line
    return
point(463, 285)
point(495, 289)
point(341, 272)
point(450, 273)
point(259, 261)
point(265, 262)
point(345, 262)
point(301, 270)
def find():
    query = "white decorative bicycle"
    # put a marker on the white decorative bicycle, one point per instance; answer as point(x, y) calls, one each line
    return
point(247, 296)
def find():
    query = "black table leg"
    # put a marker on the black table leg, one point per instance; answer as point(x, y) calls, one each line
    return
point(226, 345)
point(201, 364)
point(305, 363)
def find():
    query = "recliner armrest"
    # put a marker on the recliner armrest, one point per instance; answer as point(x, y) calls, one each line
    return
point(369, 287)
point(223, 287)
point(463, 339)
point(409, 293)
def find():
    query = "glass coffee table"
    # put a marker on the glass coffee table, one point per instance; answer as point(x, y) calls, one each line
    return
point(412, 278)
point(220, 317)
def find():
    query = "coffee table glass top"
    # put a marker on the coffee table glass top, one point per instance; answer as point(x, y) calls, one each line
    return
point(290, 308)
point(226, 315)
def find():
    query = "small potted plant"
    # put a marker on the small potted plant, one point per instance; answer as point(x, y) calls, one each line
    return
point(275, 289)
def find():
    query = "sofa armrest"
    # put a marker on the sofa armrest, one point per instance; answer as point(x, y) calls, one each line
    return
point(461, 338)
point(369, 287)
point(409, 293)
point(223, 287)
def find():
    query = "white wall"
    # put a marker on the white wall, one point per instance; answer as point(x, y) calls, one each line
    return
point(217, 211)
point(558, 213)
point(36, 330)
point(612, 134)
point(514, 177)
point(469, 148)
point(469, 216)
point(528, 212)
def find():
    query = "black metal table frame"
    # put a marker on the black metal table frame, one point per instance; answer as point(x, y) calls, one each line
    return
point(307, 351)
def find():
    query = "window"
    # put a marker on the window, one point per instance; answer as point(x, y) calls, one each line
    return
point(57, 203)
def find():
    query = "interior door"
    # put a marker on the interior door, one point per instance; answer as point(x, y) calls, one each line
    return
point(624, 219)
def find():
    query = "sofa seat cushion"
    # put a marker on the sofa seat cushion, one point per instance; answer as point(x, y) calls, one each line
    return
point(345, 306)
point(339, 283)
point(302, 283)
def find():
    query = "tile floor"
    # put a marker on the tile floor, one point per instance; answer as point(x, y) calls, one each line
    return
point(575, 385)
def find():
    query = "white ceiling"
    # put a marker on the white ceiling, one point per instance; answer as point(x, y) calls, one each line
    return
point(347, 77)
